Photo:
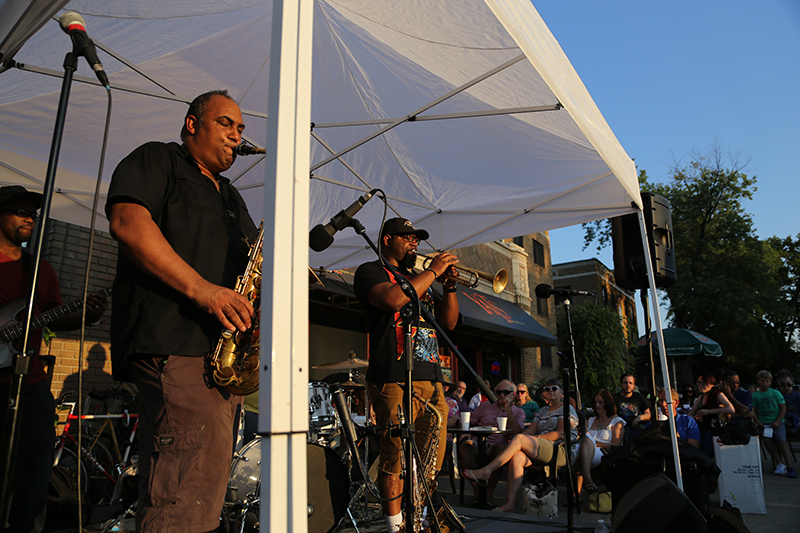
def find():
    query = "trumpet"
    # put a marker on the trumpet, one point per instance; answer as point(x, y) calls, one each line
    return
point(470, 277)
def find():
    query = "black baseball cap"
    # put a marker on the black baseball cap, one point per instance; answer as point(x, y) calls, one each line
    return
point(14, 192)
point(402, 226)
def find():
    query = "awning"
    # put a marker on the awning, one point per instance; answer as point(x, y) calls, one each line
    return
point(492, 314)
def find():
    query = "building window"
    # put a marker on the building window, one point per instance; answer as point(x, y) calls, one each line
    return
point(543, 306)
point(546, 354)
point(538, 253)
point(519, 242)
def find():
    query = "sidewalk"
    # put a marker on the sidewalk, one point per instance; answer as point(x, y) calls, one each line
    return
point(782, 496)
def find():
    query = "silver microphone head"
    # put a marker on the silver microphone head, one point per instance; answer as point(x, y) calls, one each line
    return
point(248, 149)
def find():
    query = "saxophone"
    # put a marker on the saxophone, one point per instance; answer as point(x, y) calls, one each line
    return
point(234, 364)
point(425, 478)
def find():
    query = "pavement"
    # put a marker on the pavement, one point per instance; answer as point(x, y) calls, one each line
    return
point(781, 495)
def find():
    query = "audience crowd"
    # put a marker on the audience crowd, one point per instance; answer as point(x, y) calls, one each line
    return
point(717, 402)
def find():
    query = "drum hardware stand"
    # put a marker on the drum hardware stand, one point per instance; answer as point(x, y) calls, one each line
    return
point(365, 484)
point(409, 313)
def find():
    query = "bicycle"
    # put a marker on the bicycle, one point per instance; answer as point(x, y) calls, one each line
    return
point(100, 469)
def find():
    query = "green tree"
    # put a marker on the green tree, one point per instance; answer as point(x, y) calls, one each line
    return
point(782, 317)
point(600, 347)
point(739, 290)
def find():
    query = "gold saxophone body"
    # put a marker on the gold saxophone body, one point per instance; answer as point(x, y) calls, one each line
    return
point(234, 363)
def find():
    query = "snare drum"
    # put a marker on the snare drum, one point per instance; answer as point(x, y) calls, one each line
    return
point(321, 412)
point(328, 487)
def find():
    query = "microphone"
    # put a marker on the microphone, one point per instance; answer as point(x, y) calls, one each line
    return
point(74, 25)
point(247, 149)
point(544, 290)
point(322, 236)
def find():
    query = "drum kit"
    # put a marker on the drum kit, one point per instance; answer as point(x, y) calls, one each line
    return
point(329, 450)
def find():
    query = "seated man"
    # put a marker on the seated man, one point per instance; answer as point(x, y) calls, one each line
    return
point(486, 414)
point(741, 399)
point(792, 397)
point(685, 425)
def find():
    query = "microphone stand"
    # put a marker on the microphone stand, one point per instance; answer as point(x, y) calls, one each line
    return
point(570, 364)
point(22, 360)
point(406, 423)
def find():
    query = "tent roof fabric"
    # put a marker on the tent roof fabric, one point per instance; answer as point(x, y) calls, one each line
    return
point(466, 113)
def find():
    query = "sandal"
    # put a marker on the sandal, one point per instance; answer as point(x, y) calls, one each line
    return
point(590, 487)
point(468, 474)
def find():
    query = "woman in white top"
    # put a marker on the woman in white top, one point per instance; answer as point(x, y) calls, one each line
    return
point(602, 431)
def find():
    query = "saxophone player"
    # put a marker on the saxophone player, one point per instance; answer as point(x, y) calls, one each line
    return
point(382, 299)
point(183, 232)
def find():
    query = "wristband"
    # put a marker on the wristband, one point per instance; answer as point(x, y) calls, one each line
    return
point(435, 275)
point(449, 290)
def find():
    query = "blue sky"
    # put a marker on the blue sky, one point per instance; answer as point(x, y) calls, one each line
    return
point(673, 77)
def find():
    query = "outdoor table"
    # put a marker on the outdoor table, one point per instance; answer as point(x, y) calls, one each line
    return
point(480, 434)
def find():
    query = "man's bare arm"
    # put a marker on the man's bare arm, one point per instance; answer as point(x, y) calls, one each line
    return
point(143, 243)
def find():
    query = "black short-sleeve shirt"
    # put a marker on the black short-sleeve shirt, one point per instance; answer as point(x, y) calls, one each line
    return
point(210, 230)
point(630, 408)
point(386, 364)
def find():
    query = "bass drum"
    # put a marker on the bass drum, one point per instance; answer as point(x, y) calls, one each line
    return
point(328, 496)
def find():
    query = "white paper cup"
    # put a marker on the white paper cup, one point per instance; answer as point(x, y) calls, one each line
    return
point(502, 422)
point(465, 420)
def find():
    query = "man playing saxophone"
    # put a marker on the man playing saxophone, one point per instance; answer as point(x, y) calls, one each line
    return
point(382, 298)
point(184, 233)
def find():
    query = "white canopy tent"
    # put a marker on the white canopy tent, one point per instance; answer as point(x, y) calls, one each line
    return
point(466, 113)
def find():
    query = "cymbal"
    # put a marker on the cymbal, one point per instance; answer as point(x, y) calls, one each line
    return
point(347, 364)
point(352, 385)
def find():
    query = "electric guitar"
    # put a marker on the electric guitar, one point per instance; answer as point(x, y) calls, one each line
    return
point(12, 328)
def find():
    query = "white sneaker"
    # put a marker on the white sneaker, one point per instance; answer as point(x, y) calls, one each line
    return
point(781, 470)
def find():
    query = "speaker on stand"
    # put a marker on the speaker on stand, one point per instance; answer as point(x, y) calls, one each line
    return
point(630, 270)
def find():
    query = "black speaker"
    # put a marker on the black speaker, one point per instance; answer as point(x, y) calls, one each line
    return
point(656, 505)
point(630, 271)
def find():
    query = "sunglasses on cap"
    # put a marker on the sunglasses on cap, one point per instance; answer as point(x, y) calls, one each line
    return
point(22, 213)
point(504, 392)
point(551, 389)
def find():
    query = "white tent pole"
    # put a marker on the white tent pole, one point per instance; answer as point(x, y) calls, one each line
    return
point(661, 353)
point(283, 402)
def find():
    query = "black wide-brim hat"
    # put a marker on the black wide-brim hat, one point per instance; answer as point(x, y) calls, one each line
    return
point(402, 226)
point(18, 192)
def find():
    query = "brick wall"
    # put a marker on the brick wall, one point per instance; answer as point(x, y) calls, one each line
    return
point(66, 248)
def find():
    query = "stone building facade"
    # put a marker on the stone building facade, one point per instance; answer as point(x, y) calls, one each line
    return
point(593, 276)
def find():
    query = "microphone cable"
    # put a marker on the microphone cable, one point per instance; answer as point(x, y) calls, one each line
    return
point(87, 275)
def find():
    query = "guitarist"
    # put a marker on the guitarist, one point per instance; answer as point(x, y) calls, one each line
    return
point(37, 408)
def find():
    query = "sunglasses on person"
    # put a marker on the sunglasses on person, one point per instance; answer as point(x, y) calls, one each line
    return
point(504, 392)
point(785, 384)
point(22, 213)
point(551, 389)
point(522, 392)
point(408, 237)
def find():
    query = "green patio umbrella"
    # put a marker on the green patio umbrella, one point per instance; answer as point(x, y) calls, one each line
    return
point(681, 342)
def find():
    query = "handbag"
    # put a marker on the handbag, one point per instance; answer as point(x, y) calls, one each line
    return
point(600, 502)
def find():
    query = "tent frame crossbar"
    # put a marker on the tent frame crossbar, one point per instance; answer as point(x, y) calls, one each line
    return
point(413, 115)
point(445, 116)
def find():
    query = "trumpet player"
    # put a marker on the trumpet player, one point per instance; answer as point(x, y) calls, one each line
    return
point(382, 299)
point(182, 230)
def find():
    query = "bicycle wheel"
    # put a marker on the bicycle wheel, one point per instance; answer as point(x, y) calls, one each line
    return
point(96, 462)
point(69, 461)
